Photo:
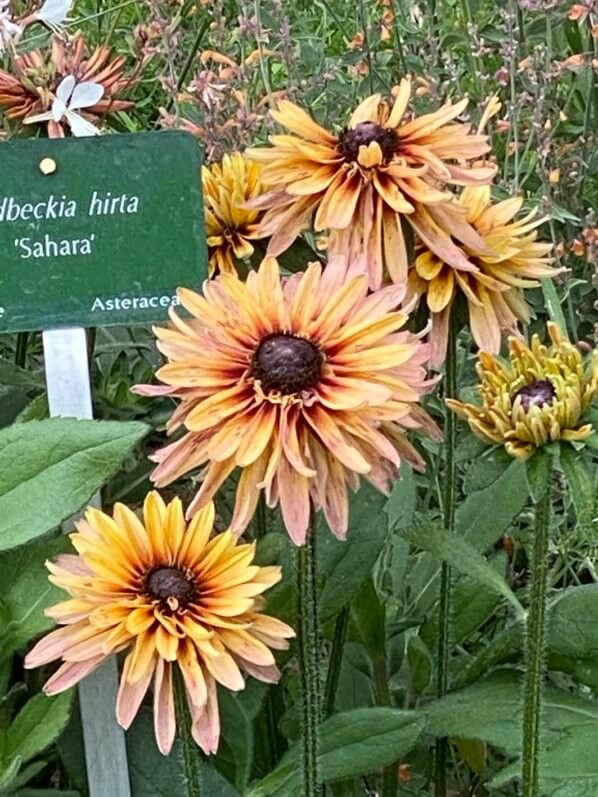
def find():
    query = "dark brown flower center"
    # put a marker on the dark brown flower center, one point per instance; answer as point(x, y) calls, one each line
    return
point(170, 585)
point(287, 364)
point(537, 394)
point(363, 134)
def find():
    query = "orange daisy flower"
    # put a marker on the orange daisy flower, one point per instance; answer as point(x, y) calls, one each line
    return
point(170, 596)
point(362, 182)
point(29, 89)
point(304, 384)
point(494, 287)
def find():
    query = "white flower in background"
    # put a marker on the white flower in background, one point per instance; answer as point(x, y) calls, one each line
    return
point(10, 31)
point(70, 98)
point(53, 13)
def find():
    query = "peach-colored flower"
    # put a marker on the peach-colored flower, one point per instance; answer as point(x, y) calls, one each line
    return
point(361, 183)
point(493, 287)
point(305, 384)
point(170, 596)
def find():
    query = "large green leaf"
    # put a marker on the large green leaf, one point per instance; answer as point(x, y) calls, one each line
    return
point(37, 725)
point(581, 483)
point(458, 553)
point(11, 374)
point(571, 639)
point(484, 515)
point(491, 711)
point(573, 623)
point(368, 615)
point(402, 501)
point(346, 564)
point(155, 775)
point(28, 592)
point(352, 743)
point(238, 711)
point(50, 468)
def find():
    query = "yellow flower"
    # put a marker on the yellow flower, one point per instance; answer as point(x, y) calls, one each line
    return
point(169, 595)
point(540, 397)
point(230, 226)
point(303, 383)
point(493, 283)
point(363, 181)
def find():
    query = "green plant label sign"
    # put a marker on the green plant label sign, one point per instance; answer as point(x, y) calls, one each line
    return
point(98, 231)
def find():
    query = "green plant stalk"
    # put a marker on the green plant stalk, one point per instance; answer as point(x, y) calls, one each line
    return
point(335, 661)
point(444, 604)
point(21, 349)
point(190, 750)
point(307, 621)
point(534, 651)
point(271, 713)
point(201, 31)
point(390, 776)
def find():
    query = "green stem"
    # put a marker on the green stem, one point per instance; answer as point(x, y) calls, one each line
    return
point(21, 349)
point(366, 40)
point(534, 651)
point(390, 778)
point(341, 624)
point(272, 715)
point(307, 620)
point(444, 605)
point(190, 749)
point(201, 31)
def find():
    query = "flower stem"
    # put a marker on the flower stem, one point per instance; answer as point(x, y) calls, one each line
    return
point(21, 349)
point(444, 605)
point(390, 779)
point(307, 620)
point(335, 661)
point(270, 709)
point(190, 749)
point(534, 651)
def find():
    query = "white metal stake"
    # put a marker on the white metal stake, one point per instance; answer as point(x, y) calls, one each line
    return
point(69, 395)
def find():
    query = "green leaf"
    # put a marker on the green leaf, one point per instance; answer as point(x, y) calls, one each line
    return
point(50, 468)
point(155, 775)
point(238, 711)
point(420, 663)
point(352, 743)
point(537, 471)
point(458, 553)
point(346, 564)
point(506, 497)
point(486, 469)
point(581, 484)
point(491, 711)
point(11, 374)
point(26, 774)
point(368, 616)
point(401, 504)
point(29, 592)
point(469, 447)
point(41, 720)
point(572, 625)
point(552, 300)
point(470, 607)
point(9, 769)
